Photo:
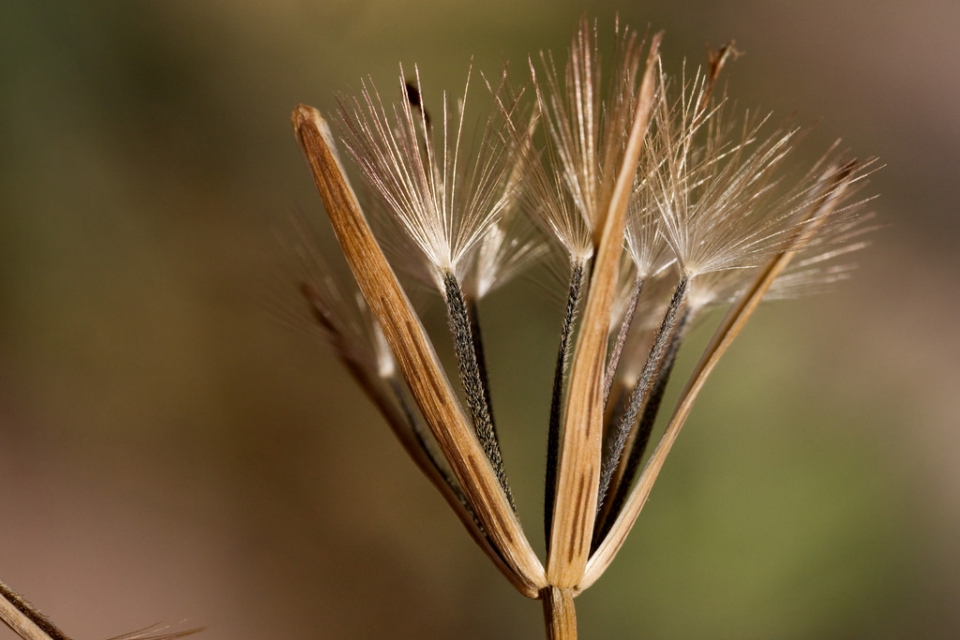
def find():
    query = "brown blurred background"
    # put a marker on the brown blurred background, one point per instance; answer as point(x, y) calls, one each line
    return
point(170, 450)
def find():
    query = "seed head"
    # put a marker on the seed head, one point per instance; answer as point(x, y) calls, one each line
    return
point(443, 196)
point(702, 203)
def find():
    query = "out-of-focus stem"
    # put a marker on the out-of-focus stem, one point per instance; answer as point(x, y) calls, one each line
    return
point(614, 361)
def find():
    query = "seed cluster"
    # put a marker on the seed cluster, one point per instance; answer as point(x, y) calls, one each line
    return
point(662, 202)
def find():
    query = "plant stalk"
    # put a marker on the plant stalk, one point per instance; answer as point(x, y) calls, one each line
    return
point(559, 613)
point(24, 619)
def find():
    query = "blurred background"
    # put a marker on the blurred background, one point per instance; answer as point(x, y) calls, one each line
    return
point(171, 450)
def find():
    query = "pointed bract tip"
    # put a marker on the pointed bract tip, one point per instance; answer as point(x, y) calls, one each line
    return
point(655, 42)
point(305, 115)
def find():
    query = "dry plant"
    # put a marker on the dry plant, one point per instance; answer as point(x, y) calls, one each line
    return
point(663, 205)
point(30, 624)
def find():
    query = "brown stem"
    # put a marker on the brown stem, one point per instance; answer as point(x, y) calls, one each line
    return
point(559, 613)
point(24, 619)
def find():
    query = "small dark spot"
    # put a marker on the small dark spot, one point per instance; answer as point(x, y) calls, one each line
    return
point(413, 97)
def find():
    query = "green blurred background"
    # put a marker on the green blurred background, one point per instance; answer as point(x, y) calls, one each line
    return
point(170, 450)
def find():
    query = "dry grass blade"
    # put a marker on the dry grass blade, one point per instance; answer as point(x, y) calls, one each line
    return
point(24, 619)
point(154, 632)
point(415, 355)
point(838, 180)
point(19, 623)
point(579, 471)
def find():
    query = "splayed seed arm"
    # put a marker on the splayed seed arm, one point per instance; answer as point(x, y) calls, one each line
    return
point(414, 353)
point(836, 182)
point(579, 471)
